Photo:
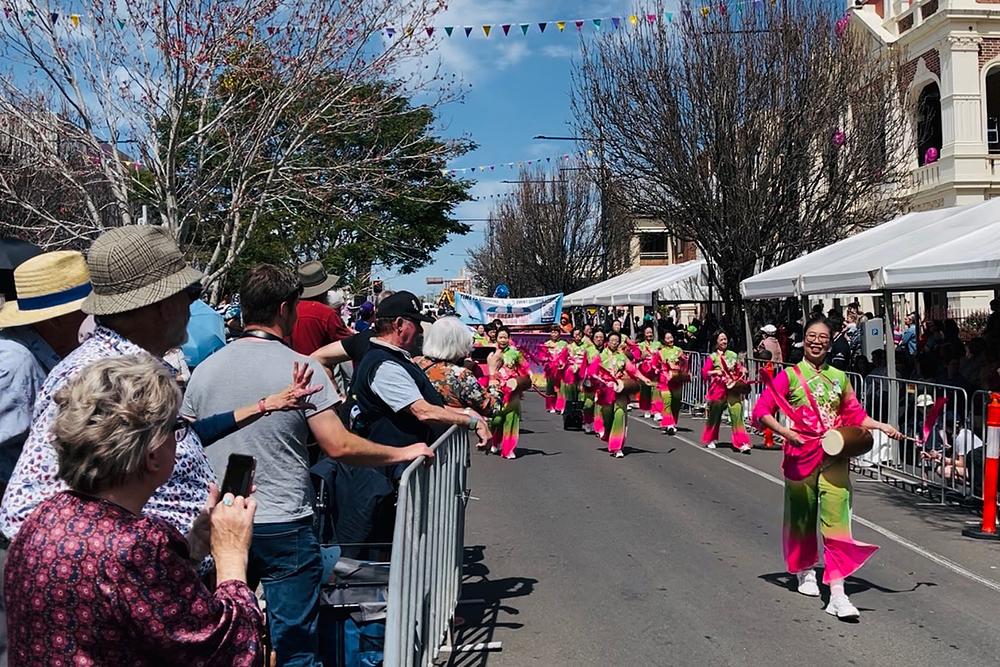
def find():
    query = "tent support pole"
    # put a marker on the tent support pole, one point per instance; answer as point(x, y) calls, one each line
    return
point(749, 332)
point(888, 327)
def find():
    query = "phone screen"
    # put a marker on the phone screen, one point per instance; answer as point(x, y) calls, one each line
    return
point(239, 475)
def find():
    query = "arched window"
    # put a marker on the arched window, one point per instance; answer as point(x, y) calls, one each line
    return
point(993, 109)
point(928, 122)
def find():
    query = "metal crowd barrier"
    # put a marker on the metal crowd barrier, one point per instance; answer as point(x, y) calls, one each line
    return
point(925, 462)
point(425, 571)
point(693, 393)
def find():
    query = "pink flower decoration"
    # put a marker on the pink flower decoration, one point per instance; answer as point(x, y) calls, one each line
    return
point(931, 155)
point(839, 138)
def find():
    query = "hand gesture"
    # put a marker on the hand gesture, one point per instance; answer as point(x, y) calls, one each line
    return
point(295, 395)
point(792, 437)
point(891, 431)
point(232, 531)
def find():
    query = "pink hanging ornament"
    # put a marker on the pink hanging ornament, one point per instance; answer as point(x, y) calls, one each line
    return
point(840, 27)
point(931, 155)
point(839, 138)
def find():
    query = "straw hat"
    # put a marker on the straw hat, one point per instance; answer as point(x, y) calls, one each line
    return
point(135, 266)
point(48, 286)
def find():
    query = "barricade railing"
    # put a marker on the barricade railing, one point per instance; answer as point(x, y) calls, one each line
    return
point(693, 392)
point(926, 459)
point(973, 462)
point(425, 570)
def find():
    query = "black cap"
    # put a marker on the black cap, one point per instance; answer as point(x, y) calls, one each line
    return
point(401, 304)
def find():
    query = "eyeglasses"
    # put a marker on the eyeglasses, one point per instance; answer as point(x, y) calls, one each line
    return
point(182, 427)
point(817, 338)
point(194, 291)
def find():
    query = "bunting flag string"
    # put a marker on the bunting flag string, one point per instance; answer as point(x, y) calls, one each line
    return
point(557, 159)
point(596, 24)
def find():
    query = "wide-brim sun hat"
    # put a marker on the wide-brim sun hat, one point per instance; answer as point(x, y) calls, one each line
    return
point(315, 280)
point(135, 266)
point(48, 286)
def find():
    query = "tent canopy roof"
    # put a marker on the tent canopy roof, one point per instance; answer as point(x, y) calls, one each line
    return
point(679, 283)
point(956, 247)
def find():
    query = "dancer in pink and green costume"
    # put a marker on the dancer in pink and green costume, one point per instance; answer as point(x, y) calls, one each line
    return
point(590, 403)
point(512, 377)
point(817, 397)
point(672, 373)
point(722, 370)
point(573, 363)
point(555, 401)
point(615, 369)
point(647, 350)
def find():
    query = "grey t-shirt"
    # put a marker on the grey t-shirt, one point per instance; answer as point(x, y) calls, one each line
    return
point(240, 374)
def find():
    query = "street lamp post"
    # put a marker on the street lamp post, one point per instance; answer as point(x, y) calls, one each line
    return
point(602, 217)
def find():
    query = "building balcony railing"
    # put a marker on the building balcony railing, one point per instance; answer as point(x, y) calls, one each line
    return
point(925, 177)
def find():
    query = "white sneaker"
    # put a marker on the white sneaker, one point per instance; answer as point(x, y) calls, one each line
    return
point(509, 457)
point(646, 415)
point(807, 583)
point(588, 428)
point(670, 430)
point(841, 607)
point(711, 445)
point(619, 454)
point(494, 450)
point(745, 449)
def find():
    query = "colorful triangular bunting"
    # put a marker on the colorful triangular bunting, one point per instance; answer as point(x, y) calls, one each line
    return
point(486, 30)
point(651, 18)
point(506, 29)
point(561, 25)
point(430, 30)
point(449, 29)
point(597, 24)
point(390, 32)
point(468, 30)
point(524, 28)
point(615, 22)
point(633, 19)
point(542, 26)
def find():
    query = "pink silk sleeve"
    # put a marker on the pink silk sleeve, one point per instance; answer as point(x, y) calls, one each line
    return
point(767, 404)
point(706, 367)
point(851, 412)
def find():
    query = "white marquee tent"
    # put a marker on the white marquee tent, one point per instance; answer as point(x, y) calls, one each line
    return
point(953, 247)
point(675, 283)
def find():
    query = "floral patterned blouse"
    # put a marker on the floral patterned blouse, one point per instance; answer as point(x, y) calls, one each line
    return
point(459, 387)
point(89, 583)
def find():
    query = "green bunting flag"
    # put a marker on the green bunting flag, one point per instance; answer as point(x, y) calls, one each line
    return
point(524, 28)
point(597, 24)
point(449, 29)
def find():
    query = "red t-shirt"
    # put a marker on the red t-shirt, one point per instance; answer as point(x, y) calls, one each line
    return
point(316, 325)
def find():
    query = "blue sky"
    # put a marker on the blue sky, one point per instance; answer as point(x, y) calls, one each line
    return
point(519, 88)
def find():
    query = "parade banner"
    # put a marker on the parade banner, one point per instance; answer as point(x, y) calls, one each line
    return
point(512, 312)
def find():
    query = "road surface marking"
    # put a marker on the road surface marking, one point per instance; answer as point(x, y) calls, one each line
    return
point(898, 539)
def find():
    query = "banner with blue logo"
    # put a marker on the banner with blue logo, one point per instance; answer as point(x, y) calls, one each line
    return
point(537, 310)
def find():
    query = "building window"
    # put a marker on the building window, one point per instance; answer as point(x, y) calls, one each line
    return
point(993, 109)
point(654, 245)
point(929, 133)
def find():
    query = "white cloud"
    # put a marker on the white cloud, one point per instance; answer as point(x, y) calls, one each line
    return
point(560, 50)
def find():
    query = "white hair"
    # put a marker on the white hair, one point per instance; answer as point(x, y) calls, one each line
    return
point(448, 340)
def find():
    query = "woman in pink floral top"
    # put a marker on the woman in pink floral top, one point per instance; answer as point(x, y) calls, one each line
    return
point(89, 580)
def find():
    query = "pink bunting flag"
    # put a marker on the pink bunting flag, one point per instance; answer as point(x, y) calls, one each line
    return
point(430, 30)
point(506, 29)
point(579, 25)
point(651, 18)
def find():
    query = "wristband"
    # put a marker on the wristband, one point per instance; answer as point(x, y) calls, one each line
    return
point(473, 419)
point(262, 407)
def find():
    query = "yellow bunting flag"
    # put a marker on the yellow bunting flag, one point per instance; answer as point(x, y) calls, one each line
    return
point(486, 30)
point(75, 20)
point(705, 11)
point(561, 25)
point(633, 19)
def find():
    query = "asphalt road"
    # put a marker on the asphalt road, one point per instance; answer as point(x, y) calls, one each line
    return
point(671, 556)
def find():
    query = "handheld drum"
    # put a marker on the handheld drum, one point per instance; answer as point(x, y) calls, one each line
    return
point(847, 441)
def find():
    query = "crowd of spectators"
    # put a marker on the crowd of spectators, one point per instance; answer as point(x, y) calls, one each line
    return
point(117, 546)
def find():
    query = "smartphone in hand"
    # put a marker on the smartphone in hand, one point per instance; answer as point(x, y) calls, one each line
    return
point(239, 475)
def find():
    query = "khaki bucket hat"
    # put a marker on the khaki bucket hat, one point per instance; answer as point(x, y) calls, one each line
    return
point(135, 266)
point(48, 286)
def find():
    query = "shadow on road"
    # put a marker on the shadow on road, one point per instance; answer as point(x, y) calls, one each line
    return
point(485, 601)
point(630, 450)
point(524, 451)
point(852, 585)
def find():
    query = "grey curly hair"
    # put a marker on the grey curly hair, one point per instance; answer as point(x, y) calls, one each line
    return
point(110, 416)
